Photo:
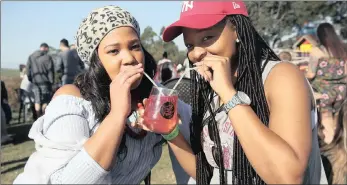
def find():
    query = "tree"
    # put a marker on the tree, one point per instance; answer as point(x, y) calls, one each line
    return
point(275, 19)
point(162, 30)
point(156, 46)
point(147, 37)
point(269, 18)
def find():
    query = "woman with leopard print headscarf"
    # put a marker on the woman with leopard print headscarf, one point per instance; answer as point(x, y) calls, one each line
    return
point(85, 136)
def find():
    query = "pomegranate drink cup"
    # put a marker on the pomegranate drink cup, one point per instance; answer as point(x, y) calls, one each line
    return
point(161, 110)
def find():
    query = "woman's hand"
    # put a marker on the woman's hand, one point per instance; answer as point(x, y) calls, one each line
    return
point(216, 70)
point(140, 122)
point(120, 89)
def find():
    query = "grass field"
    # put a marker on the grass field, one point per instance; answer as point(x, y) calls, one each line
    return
point(9, 72)
point(14, 155)
point(12, 81)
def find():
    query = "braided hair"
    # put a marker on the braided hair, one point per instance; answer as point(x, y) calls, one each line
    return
point(251, 51)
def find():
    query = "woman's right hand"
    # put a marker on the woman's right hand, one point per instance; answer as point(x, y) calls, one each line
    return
point(120, 89)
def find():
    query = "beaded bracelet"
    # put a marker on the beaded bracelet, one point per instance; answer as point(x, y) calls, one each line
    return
point(173, 134)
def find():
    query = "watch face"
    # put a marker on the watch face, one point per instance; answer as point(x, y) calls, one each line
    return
point(244, 97)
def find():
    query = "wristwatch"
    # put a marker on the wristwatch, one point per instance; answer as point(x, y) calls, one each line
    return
point(240, 98)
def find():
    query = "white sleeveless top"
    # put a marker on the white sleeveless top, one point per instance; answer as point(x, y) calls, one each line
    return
point(226, 133)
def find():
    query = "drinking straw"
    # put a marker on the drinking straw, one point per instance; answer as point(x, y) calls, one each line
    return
point(179, 80)
point(150, 79)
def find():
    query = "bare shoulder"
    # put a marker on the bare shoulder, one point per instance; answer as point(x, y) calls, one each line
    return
point(285, 71)
point(289, 100)
point(286, 80)
point(68, 90)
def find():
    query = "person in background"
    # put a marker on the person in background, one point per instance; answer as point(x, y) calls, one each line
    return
point(4, 103)
point(285, 56)
point(27, 88)
point(6, 114)
point(40, 71)
point(166, 73)
point(180, 70)
point(73, 46)
point(59, 63)
point(168, 67)
point(327, 73)
point(164, 59)
point(75, 65)
point(70, 63)
point(336, 151)
point(21, 70)
point(26, 85)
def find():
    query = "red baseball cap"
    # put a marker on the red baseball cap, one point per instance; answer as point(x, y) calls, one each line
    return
point(203, 14)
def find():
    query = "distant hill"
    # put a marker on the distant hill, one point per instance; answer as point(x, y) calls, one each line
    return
point(9, 72)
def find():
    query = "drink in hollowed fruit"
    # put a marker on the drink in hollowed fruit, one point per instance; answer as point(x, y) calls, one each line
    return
point(161, 113)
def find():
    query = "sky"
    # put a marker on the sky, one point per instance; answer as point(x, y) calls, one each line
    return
point(25, 25)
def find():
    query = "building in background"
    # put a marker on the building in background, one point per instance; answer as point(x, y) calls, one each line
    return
point(304, 45)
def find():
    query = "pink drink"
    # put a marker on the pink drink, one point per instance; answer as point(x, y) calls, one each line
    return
point(161, 113)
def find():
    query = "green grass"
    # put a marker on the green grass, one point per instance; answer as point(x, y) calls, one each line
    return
point(9, 72)
point(13, 159)
point(15, 155)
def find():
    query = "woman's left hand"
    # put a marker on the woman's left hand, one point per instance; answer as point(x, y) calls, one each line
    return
point(140, 120)
point(220, 77)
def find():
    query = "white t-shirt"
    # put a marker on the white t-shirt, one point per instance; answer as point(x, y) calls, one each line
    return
point(26, 84)
point(162, 61)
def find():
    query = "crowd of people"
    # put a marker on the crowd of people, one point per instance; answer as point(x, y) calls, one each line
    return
point(44, 74)
point(40, 78)
point(255, 117)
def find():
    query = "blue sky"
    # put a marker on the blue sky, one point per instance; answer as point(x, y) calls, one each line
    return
point(25, 25)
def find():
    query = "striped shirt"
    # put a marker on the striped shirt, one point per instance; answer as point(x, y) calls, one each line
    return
point(60, 157)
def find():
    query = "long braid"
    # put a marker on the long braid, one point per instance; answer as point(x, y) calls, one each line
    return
point(204, 170)
point(203, 93)
point(252, 50)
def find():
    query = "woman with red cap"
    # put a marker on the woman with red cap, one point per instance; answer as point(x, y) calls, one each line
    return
point(254, 118)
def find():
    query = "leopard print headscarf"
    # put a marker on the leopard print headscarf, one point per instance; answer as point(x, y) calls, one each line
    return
point(97, 25)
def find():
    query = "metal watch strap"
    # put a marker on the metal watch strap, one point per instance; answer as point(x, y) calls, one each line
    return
point(240, 98)
point(235, 100)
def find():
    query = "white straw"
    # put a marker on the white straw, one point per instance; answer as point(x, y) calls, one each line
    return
point(179, 80)
point(150, 79)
